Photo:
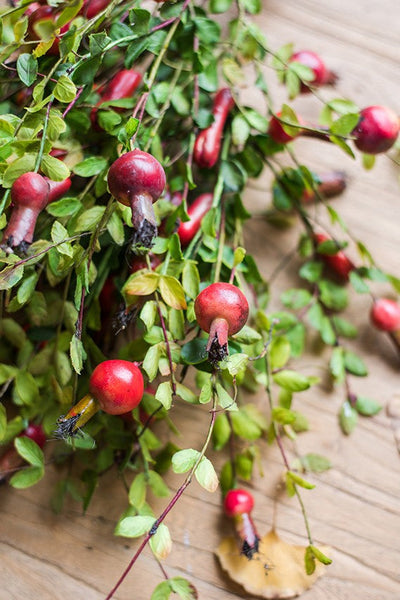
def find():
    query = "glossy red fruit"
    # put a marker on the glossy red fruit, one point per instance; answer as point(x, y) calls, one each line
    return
point(385, 314)
point(377, 129)
point(208, 143)
point(221, 310)
point(117, 386)
point(122, 85)
point(339, 263)
point(237, 502)
point(91, 8)
point(29, 194)
point(137, 179)
point(278, 134)
point(196, 211)
point(35, 433)
point(322, 75)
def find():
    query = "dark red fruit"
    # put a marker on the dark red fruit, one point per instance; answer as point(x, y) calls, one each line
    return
point(35, 433)
point(91, 8)
point(117, 385)
point(377, 129)
point(237, 502)
point(137, 179)
point(122, 85)
point(196, 211)
point(208, 143)
point(385, 315)
point(330, 185)
point(139, 262)
point(221, 310)
point(30, 195)
point(322, 75)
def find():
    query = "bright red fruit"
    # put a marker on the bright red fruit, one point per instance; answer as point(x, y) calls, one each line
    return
point(57, 188)
point(377, 129)
point(122, 85)
point(339, 263)
point(277, 132)
point(221, 309)
point(237, 502)
point(208, 143)
point(196, 211)
point(330, 184)
point(91, 8)
point(117, 385)
point(322, 75)
point(385, 314)
point(137, 179)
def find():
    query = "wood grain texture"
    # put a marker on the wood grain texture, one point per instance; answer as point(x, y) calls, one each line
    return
point(355, 507)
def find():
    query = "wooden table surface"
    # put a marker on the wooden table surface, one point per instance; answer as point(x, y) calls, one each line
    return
point(355, 507)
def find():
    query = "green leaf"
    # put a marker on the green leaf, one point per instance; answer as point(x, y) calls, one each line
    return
point(235, 363)
point(64, 207)
point(283, 415)
point(53, 168)
point(157, 485)
point(311, 271)
point(183, 588)
point(191, 279)
point(148, 314)
point(279, 352)
point(172, 292)
point(345, 124)
point(10, 276)
point(194, 352)
point(164, 394)
point(206, 392)
point(224, 399)
point(332, 295)
point(309, 561)
point(336, 365)
point(320, 556)
point(347, 418)
point(26, 387)
point(77, 353)
point(29, 451)
point(186, 394)
point(248, 335)
point(300, 481)
point(240, 130)
point(18, 167)
point(244, 427)
point(358, 283)
point(315, 463)
point(291, 380)
point(141, 284)
point(221, 431)
point(90, 166)
point(206, 475)
point(367, 407)
point(354, 364)
point(115, 228)
point(134, 527)
point(184, 460)
point(3, 421)
point(208, 31)
point(27, 67)
point(13, 332)
point(65, 89)
point(151, 361)
point(97, 42)
point(161, 542)
point(137, 491)
point(296, 298)
point(26, 477)
point(343, 327)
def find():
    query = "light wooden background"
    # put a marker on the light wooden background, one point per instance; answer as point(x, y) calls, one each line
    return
point(355, 507)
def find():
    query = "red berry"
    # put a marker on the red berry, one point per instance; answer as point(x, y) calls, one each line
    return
point(385, 314)
point(339, 263)
point(30, 194)
point(137, 179)
point(35, 433)
point(237, 502)
point(221, 309)
point(196, 211)
point(117, 385)
point(377, 129)
point(57, 188)
point(91, 8)
point(277, 132)
point(312, 61)
point(208, 143)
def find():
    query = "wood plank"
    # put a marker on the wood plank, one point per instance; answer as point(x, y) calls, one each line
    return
point(355, 506)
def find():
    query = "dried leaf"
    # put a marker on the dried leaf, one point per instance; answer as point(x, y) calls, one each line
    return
point(276, 571)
